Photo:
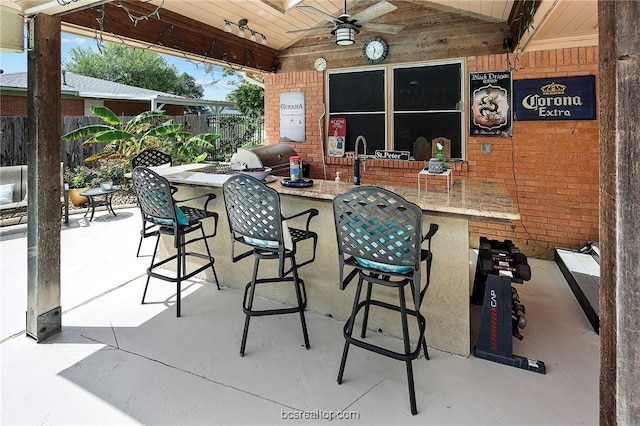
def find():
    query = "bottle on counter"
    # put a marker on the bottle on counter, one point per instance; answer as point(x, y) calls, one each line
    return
point(295, 168)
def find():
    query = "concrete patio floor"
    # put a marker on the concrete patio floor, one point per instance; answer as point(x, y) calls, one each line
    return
point(119, 362)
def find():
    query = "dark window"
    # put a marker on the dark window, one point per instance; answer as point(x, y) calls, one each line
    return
point(426, 102)
point(359, 97)
point(356, 91)
point(427, 88)
point(409, 127)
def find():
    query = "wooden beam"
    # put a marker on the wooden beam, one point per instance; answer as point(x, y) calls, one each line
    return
point(44, 316)
point(619, 92)
point(520, 19)
point(407, 47)
point(607, 205)
point(175, 33)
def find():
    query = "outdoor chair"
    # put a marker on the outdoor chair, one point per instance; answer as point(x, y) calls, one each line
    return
point(256, 221)
point(149, 158)
point(380, 236)
point(158, 207)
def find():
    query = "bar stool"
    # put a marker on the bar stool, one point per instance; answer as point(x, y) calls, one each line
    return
point(380, 236)
point(149, 158)
point(256, 220)
point(155, 197)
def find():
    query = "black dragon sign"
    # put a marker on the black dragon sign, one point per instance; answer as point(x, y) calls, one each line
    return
point(491, 107)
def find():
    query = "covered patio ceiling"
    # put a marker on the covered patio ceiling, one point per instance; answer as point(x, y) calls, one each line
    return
point(431, 30)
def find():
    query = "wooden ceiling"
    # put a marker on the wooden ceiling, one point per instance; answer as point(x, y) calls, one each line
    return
point(433, 29)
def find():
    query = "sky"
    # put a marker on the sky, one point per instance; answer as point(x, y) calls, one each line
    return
point(17, 62)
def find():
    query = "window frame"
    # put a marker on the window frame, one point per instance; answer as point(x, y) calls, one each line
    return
point(389, 111)
point(461, 104)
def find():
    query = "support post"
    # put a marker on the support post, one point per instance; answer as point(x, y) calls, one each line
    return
point(43, 160)
point(619, 56)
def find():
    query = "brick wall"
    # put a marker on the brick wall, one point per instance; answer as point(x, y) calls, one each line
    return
point(550, 168)
point(72, 107)
point(16, 106)
point(13, 106)
point(312, 83)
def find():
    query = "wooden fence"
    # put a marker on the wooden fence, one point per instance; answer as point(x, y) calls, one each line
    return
point(235, 130)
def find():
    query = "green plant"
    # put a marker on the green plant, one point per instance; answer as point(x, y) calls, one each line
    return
point(106, 171)
point(146, 130)
point(188, 148)
point(79, 177)
point(110, 171)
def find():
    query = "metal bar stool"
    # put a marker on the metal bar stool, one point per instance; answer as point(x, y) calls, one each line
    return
point(256, 220)
point(158, 207)
point(380, 236)
point(149, 158)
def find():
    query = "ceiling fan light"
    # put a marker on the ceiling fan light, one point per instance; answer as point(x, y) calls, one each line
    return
point(241, 32)
point(264, 40)
point(345, 35)
point(227, 26)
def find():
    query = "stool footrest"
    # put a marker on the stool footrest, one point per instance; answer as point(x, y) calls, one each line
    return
point(278, 311)
point(152, 273)
point(401, 356)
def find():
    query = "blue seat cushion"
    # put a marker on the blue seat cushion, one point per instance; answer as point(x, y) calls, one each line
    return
point(261, 243)
point(182, 218)
point(384, 267)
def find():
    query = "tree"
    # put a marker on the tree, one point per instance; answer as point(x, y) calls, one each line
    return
point(134, 67)
point(187, 87)
point(248, 98)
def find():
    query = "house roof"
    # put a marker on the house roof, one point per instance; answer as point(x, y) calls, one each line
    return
point(91, 87)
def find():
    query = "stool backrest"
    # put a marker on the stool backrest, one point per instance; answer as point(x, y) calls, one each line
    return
point(253, 209)
point(154, 196)
point(376, 225)
point(150, 158)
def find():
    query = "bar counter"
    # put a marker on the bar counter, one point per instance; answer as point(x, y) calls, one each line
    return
point(446, 305)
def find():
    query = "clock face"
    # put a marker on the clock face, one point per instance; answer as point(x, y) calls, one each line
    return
point(320, 64)
point(374, 50)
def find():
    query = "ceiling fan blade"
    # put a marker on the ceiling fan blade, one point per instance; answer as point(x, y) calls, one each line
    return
point(384, 28)
point(374, 11)
point(322, 27)
point(317, 12)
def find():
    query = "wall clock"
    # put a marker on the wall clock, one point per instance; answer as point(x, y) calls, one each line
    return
point(374, 50)
point(320, 64)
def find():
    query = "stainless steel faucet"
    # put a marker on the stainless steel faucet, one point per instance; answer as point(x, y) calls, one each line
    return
point(356, 160)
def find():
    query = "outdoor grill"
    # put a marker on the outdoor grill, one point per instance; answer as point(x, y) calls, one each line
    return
point(274, 156)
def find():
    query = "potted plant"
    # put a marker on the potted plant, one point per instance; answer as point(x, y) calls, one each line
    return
point(79, 179)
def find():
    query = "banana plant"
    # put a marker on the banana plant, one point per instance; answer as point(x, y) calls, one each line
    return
point(186, 148)
point(125, 140)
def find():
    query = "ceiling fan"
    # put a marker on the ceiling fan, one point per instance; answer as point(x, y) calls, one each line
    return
point(345, 27)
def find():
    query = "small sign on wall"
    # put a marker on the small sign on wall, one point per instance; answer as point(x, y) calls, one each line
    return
point(392, 155)
point(490, 103)
point(292, 117)
point(555, 99)
point(337, 136)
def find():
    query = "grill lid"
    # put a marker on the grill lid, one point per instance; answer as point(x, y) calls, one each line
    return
point(275, 156)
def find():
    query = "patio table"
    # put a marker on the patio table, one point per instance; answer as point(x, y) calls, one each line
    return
point(92, 193)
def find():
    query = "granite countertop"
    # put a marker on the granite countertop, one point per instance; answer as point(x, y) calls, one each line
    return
point(475, 200)
point(467, 198)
